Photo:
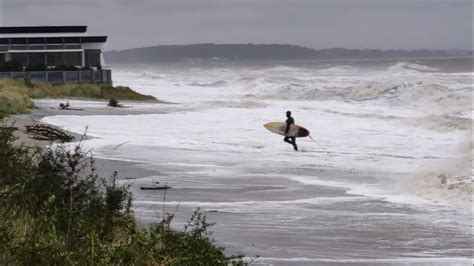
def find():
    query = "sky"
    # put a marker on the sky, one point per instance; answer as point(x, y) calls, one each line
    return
point(384, 24)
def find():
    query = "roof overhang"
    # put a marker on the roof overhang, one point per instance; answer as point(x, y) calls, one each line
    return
point(53, 40)
point(43, 29)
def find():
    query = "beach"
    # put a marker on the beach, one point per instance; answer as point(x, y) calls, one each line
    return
point(388, 182)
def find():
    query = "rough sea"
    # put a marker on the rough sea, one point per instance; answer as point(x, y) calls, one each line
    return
point(387, 182)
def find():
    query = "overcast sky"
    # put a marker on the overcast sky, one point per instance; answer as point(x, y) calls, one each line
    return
point(405, 24)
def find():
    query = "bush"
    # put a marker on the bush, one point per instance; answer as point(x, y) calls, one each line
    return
point(55, 210)
point(37, 67)
point(14, 97)
point(10, 66)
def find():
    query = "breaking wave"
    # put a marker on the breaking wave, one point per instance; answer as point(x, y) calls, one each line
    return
point(404, 67)
point(448, 182)
point(443, 123)
point(405, 94)
point(220, 83)
point(245, 104)
point(338, 70)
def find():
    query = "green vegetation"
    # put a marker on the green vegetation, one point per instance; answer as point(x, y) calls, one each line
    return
point(55, 210)
point(14, 98)
point(86, 90)
point(15, 95)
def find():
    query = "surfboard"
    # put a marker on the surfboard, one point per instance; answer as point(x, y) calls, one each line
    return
point(280, 127)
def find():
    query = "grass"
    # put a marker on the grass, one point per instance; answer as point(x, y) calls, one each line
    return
point(16, 95)
point(14, 98)
point(56, 210)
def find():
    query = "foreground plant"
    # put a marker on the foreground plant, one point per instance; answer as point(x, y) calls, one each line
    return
point(55, 210)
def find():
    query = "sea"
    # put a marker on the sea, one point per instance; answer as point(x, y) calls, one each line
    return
point(386, 180)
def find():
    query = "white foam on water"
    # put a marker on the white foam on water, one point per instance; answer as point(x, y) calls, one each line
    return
point(390, 134)
point(381, 133)
point(245, 205)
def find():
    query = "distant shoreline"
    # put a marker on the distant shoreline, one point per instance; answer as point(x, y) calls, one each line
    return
point(268, 52)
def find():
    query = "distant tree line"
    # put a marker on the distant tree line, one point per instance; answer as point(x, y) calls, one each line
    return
point(256, 52)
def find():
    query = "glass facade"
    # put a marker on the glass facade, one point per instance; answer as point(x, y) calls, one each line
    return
point(35, 47)
point(21, 58)
point(92, 58)
point(2, 58)
point(48, 59)
point(36, 59)
point(54, 59)
point(73, 46)
point(19, 47)
point(54, 47)
point(73, 58)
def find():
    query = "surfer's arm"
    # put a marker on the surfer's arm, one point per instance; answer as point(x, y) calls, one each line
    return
point(287, 127)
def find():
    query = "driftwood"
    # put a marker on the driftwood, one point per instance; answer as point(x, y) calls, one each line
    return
point(156, 188)
point(69, 109)
point(46, 132)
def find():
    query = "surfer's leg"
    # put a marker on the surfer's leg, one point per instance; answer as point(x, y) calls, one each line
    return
point(287, 140)
point(293, 140)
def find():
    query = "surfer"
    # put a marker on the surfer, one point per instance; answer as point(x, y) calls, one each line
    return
point(289, 122)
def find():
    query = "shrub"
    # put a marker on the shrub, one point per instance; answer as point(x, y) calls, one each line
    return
point(14, 97)
point(55, 210)
point(37, 67)
point(10, 66)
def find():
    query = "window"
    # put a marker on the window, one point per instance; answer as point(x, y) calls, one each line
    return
point(36, 40)
point(92, 58)
point(73, 58)
point(54, 40)
point(21, 58)
point(36, 47)
point(18, 40)
point(3, 48)
point(19, 47)
point(54, 47)
point(2, 58)
point(54, 59)
point(36, 59)
point(72, 40)
point(72, 46)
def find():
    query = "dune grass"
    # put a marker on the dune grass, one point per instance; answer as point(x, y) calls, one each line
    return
point(86, 90)
point(14, 98)
point(16, 95)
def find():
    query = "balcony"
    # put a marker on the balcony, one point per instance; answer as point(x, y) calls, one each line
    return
point(58, 77)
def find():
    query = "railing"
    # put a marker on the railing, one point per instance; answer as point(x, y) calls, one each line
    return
point(68, 76)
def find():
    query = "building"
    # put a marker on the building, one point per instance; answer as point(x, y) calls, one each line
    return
point(53, 49)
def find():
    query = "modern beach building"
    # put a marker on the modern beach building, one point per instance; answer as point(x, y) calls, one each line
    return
point(54, 54)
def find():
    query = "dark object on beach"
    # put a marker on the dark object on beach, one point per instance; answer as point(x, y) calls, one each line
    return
point(156, 188)
point(114, 103)
point(45, 132)
point(64, 106)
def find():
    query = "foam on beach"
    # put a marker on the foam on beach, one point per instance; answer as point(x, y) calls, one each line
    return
point(391, 141)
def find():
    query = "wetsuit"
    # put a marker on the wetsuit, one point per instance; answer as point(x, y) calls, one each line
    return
point(291, 140)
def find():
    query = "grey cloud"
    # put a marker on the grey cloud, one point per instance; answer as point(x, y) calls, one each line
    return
point(383, 24)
